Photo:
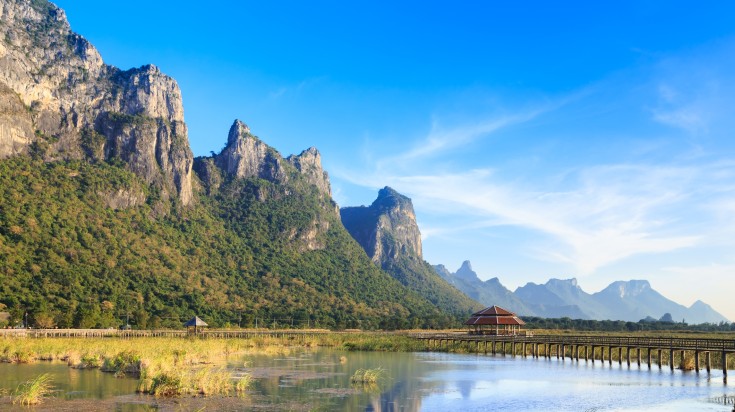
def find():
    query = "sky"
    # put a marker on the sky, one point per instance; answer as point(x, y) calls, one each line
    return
point(536, 139)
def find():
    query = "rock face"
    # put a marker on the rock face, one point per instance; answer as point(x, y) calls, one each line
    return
point(246, 156)
point(386, 229)
point(388, 232)
point(309, 163)
point(78, 107)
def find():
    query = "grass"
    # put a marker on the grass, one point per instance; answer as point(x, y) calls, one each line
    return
point(368, 376)
point(179, 366)
point(33, 391)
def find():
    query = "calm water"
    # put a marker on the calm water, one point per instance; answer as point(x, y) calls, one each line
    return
point(319, 380)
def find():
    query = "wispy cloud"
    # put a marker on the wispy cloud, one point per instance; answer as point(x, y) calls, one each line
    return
point(295, 88)
point(441, 139)
point(659, 194)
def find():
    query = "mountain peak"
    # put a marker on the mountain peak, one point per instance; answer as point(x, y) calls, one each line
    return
point(309, 163)
point(238, 130)
point(246, 156)
point(466, 272)
point(630, 288)
point(466, 265)
point(385, 229)
point(389, 198)
point(565, 282)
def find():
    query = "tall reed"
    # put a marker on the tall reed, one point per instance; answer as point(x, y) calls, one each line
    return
point(33, 391)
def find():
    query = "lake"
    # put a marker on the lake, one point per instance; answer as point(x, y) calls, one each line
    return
point(320, 380)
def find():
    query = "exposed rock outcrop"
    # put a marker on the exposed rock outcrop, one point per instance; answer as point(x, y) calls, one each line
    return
point(388, 232)
point(386, 229)
point(309, 163)
point(246, 156)
point(80, 107)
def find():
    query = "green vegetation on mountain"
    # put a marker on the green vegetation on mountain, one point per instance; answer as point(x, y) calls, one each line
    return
point(86, 245)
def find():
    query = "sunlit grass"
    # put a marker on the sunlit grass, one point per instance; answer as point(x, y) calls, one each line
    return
point(33, 391)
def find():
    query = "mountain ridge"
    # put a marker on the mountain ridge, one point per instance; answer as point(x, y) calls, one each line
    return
point(631, 300)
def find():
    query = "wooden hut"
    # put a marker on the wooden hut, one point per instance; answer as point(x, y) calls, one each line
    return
point(194, 325)
point(494, 321)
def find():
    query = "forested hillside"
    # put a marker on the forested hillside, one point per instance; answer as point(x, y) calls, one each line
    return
point(85, 245)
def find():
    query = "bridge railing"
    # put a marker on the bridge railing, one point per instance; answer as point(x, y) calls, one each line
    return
point(623, 341)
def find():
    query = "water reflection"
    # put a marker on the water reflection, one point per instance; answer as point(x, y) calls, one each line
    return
point(305, 380)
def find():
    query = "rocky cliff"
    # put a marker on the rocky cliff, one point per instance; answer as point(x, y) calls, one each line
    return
point(388, 232)
point(58, 100)
point(386, 229)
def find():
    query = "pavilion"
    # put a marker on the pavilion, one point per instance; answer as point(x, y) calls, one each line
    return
point(195, 324)
point(494, 320)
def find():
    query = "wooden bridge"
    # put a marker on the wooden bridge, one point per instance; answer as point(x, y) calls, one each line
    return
point(287, 334)
point(603, 348)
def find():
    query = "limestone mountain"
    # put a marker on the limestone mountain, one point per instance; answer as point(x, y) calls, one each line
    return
point(622, 300)
point(90, 155)
point(561, 298)
point(59, 101)
point(557, 298)
point(388, 232)
point(489, 292)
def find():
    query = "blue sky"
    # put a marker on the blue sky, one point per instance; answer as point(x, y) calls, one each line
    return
point(537, 140)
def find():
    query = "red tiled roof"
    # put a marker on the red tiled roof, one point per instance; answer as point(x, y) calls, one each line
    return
point(494, 310)
point(495, 320)
point(495, 315)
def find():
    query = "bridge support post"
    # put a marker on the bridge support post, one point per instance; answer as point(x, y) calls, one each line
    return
point(494, 348)
point(586, 358)
point(638, 349)
point(696, 361)
point(681, 360)
point(649, 358)
point(525, 353)
point(707, 362)
point(724, 364)
point(609, 354)
point(485, 351)
point(671, 359)
point(547, 350)
point(620, 355)
point(660, 358)
point(627, 355)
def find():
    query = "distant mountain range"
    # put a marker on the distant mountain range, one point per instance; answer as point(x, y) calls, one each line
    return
point(631, 300)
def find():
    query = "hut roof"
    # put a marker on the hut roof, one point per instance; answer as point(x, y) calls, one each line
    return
point(195, 321)
point(494, 315)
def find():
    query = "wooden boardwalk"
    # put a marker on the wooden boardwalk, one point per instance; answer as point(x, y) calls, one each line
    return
point(604, 348)
point(298, 335)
